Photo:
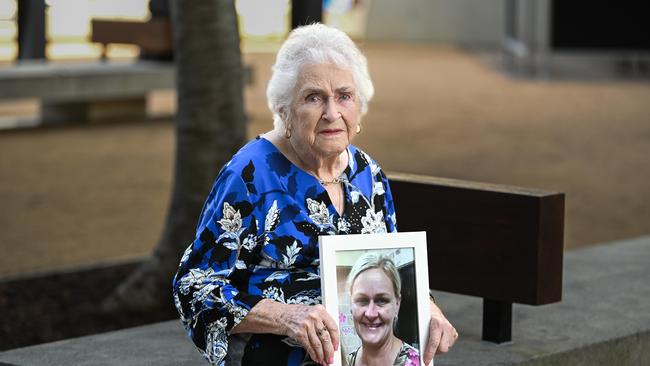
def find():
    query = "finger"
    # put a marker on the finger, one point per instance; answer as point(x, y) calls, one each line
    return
point(310, 350)
point(432, 345)
point(448, 340)
point(306, 330)
point(316, 345)
point(328, 348)
point(306, 343)
point(333, 330)
point(445, 340)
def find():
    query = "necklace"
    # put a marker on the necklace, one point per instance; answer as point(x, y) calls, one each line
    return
point(302, 165)
point(324, 182)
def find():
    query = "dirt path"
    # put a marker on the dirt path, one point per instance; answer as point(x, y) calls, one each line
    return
point(80, 194)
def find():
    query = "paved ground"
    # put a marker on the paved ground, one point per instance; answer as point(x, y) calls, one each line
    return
point(84, 193)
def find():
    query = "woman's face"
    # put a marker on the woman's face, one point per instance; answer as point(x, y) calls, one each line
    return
point(325, 111)
point(374, 306)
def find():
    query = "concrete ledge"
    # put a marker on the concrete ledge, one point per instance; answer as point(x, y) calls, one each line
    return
point(157, 344)
point(77, 81)
point(602, 320)
point(87, 91)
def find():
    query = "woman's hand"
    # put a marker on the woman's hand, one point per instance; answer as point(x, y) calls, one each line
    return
point(314, 328)
point(311, 326)
point(442, 334)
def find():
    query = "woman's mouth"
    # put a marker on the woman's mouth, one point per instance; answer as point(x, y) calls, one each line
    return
point(373, 326)
point(330, 132)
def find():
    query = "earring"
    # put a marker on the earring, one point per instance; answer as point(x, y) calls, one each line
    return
point(359, 128)
point(287, 133)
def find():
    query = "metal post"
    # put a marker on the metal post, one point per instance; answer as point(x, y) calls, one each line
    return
point(497, 321)
point(305, 12)
point(31, 29)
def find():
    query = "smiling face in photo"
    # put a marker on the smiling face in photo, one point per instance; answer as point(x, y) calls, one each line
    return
point(374, 306)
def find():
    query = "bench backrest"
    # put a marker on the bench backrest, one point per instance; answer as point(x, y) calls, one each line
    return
point(153, 36)
point(492, 241)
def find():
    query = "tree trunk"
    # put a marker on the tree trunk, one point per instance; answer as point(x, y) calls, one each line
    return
point(210, 128)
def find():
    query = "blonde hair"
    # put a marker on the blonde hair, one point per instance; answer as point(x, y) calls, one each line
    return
point(373, 260)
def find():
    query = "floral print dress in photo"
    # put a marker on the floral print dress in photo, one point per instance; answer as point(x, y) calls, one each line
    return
point(257, 238)
point(407, 356)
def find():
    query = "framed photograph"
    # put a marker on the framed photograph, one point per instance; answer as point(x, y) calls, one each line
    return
point(361, 275)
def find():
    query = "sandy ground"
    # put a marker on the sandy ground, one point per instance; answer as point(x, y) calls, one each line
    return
point(80, 194)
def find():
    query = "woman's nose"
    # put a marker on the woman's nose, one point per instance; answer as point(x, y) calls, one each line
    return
point(371, 311)
point(331, 112)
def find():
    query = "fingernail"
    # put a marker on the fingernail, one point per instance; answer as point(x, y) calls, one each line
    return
point(331, 360)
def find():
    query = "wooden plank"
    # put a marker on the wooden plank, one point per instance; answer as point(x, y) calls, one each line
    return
point(497, 242)
point(154, 36)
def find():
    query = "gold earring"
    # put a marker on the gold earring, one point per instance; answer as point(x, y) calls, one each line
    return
point(359, 128)
point(287, 133)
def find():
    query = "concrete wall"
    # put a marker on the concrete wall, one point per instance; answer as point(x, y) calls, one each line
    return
point(469, 22)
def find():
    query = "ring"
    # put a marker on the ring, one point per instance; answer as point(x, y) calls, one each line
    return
point(320, 331)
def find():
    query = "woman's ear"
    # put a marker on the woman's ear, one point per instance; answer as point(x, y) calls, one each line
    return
point(283, 114)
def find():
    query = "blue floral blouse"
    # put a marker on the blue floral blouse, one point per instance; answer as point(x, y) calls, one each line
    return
point(257, 238)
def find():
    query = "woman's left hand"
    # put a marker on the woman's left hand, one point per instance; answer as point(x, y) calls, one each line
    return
point(442, 334)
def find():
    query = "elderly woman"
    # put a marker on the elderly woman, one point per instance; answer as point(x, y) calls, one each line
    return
point(375, 287)
point(248, 287)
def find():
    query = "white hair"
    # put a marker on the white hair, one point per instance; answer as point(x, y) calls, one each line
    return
point(315, 44)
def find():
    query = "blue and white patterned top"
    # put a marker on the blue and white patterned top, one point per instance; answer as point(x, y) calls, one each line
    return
point(257, 238)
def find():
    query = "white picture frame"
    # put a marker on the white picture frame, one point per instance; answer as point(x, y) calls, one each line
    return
point(337, 252)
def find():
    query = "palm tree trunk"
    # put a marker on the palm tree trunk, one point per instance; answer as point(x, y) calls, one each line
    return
point(210, 128)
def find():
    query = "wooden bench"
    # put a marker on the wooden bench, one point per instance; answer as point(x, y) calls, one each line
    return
point(503, 244)
point(154, 37)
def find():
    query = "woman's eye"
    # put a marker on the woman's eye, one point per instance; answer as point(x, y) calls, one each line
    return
point(312, 98)
point(361, 302)
point(345, 97)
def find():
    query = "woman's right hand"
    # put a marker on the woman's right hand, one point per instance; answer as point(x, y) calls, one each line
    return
point(314, 329)
point(309, 325)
